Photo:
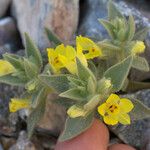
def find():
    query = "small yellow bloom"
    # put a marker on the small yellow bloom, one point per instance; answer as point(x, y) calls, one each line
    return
point(75, 111)
point(17, 104)
point(138, 48)
point(65, 57)
point(6, 68)
point(53, 56)
point(89, 48)
point(115, 110)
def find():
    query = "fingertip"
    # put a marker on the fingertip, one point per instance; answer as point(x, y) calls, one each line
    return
point(94, 138)
point(120, 147)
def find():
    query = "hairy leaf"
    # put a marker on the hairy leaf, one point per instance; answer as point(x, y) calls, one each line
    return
point(75, 126)
point(59, 83)
point(140, 111)
point(140, 63)
point(32, 52)
point(118, 73)
point(52, 37)
point(113, 12)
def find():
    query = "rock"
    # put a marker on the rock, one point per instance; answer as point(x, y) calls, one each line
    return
point(91, 11)
point(23, 143)
point(53, 120)
point(1, 148)
point(135, 133)
point(59, 16)
point(4, 4)
point(9, 36)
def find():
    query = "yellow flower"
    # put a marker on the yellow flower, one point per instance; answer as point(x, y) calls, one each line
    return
point(115, 110)
point(53, 56)
point(75, 111)
point(138, 48)
point(65, 57)
point(17, 104)
point(6, 68)
point(89, 48)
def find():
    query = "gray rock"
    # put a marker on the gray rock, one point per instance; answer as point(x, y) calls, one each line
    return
point(23, 143)
point(136, 134)
point(1, 148)
point(4, 4)
point(32, 16)
point(9, 36)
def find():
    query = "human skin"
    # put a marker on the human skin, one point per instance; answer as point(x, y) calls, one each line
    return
point(94, 138)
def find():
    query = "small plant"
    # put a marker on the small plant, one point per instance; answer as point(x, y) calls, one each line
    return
point(86, 86)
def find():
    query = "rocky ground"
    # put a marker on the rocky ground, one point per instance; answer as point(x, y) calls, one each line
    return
point(67, 19)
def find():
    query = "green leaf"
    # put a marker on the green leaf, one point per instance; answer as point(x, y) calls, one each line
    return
point(38, 97)
point(91, 86)
point(141, 34)
point(108, 26)
point(113, 12)
point(108, 46)
point(83, 72)
point(140, 63)
point(76, 126)
point(52, 37)
point(30, 69)
point(12, 80)
point(32, 52)
point(15, 60)
point(75, 82)
point(131, 28)
point(74, 94)
point(119, 72)
point(140, 111)
point(35, 117)
point(59, 83)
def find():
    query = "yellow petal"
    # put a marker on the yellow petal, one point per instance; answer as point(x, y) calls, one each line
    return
point(60, 49)
point(124, 119)
point(110, 120)
point(113, 98)
point(17, 104)
point(125, 105)
point(102, 109)
point(6, 68)
point(138, 48)
point(70, 52)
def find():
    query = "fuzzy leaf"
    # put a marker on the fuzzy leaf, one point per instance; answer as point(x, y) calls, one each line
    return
point(107, 45)
point(52, 37)
point(141, 34)
point(35, 117)
point(119, 72)
point(59, 83)
point(12, 80)
point(113, 12)
point(140, 111)
point(38, 96)
point(15, 60)
point(131, 26)
point(75, 82)
point(30, 69)
point(74, 94)
point(140, 63)
point(32, 52)
point(91, 87)
point(83, 72)
point(108, 26)
point(75, 126)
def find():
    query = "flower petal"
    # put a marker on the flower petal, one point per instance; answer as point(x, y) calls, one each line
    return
point(102, 109)
point(124, 119)
point(113, 98)
point(110, 120)
point(126, 105)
